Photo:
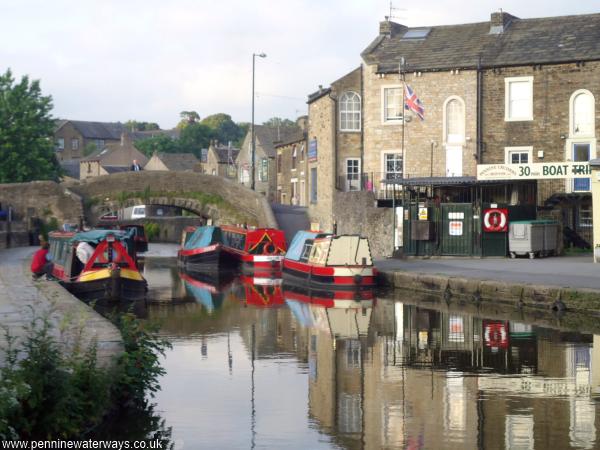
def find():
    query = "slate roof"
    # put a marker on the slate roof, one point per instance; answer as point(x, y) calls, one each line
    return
point(318, 94)
point(98, 130)
point(268, 137)
point(178, 161)
point(115, 169)
point(222, 153)
point(141, 135)
point(117, 155)
point(523, 42)
point(293, 138)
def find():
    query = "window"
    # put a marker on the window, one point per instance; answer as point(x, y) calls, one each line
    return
point(74, 144)
point(313, 185)
point(99, 143)
point(60, 144)
point(582, 114)
point(518, 98)
point(294, 155)
point(581, 152)
point(263, 170)
point(302, 152)
point(231, 171)
point(392, 166)
point(352, 174)
point(279, 163)
point(518, 155)
point(585, 217)
point(350, 112)
point(455, 121)
point(392, 104)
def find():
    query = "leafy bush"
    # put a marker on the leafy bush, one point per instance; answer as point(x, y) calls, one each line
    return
point(152, 230)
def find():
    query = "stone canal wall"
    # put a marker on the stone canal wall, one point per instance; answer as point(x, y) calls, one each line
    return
point(517, 294)
point(22, 300)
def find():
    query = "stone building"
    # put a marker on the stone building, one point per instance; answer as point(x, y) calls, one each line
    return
point(113, 158)
point(186, 162)
point(73, 136)
point(292, 163)
point(265, 175)
point(335, 144)
point(221, 161)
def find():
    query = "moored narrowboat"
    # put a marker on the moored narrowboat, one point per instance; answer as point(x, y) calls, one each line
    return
point(98, 265)
point(139, 236)
point(327, 261)
point(203, 252)
point(258, 249)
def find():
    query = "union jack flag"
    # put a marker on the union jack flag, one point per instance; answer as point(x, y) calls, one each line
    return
point(413, 103)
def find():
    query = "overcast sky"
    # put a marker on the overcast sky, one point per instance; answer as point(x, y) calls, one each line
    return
point(114, 60)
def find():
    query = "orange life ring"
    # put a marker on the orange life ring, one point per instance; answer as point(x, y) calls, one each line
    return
point(495, 220)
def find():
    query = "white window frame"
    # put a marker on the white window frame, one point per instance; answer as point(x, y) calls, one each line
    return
point(383, 162)
point(346, 173)
point(445, 120)
point(572, 133)
point(353, 95)
point(507, 115)
point(521, 149)
point(384, 119)
point(75, 144)
point(60, 144)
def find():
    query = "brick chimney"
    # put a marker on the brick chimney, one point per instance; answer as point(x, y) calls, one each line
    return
point(500, 21)
point(390, 29)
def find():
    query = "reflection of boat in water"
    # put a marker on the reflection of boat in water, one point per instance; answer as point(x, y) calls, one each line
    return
point(209, 291)
point(109, 274)
point(326, 261)
point(341, 313)
point(261, 292)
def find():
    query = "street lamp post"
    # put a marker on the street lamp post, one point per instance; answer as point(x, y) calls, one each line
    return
point(253, 166)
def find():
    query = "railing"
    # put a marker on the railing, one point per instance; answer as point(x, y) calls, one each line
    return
point(384, 185)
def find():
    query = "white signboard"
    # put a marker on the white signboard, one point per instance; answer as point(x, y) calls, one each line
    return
point(455, 228)
point(533, 171)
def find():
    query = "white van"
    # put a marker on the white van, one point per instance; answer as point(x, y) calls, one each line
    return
point(138, 212)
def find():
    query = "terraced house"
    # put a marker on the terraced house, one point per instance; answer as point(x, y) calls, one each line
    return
point(506, 90)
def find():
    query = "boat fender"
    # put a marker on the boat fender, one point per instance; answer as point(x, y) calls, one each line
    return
point(357, 279)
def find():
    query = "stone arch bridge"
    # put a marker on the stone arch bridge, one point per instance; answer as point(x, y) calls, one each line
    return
point(219, 199)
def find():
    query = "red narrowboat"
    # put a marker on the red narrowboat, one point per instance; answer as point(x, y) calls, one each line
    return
point(203, 251)
point(98, 265)
point(322, 260)
point(257, 249)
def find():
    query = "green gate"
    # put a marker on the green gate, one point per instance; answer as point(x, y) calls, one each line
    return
point(456, 233)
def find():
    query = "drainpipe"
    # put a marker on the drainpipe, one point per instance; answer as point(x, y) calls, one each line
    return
point(479, 110)
point(362, 126)
point(334, 139)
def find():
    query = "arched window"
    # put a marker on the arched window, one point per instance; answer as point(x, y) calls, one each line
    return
point(350, 112)
point(582, 114)
point(455, 121)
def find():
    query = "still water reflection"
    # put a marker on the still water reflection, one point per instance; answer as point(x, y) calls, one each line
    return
point(263, 366)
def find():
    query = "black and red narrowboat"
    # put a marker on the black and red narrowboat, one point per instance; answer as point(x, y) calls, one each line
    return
point(323, 260)
point(110, 272)
point(203, 252)
point(257, 249)
point(139, 236)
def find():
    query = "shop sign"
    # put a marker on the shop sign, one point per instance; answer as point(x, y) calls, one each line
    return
point(312, 150)
point(455, 228)
point(533, 171)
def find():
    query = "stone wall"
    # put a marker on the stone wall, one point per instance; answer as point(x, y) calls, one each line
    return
point(433, 89)
point(170, 228)
point(357, 213)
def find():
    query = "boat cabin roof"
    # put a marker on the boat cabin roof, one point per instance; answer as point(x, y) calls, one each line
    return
point(203, 236)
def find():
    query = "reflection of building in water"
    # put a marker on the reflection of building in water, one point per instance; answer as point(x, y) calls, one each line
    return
point(428, 379)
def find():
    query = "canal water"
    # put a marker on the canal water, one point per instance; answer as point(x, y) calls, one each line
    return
point(263, 366)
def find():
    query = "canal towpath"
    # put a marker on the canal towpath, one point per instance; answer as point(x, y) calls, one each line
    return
point(23, 299)
point(571, 282)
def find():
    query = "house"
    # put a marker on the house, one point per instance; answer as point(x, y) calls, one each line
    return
point(265, 175)
point(292, 164)
point(173, 161)
point(71, 137)
point(112, 158)
point(335, 144)
point(221, 161)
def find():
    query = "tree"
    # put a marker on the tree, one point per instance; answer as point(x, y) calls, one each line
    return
point(26, 132)
point(188, 118)
point(223, 128)
point(279, 122)
point(161, 144)
point(194, 137)
point(134, 125)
